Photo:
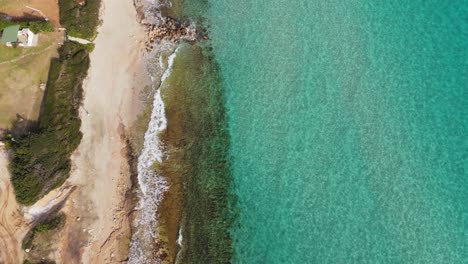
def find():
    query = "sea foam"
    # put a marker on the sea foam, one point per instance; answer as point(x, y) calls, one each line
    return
point(152, 184)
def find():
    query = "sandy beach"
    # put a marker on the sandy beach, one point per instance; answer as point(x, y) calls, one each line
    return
point(96, 195)
point(98, 229)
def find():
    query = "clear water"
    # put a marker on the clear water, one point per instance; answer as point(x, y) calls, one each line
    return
point(348, 123)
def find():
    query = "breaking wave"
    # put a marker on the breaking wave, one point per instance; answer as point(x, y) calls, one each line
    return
point(152, 185)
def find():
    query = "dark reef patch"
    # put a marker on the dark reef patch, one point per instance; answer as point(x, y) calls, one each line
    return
point(197, 164)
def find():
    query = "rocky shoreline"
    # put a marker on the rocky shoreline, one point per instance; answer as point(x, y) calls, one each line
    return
point(163, 34)
point(161, 28)
point(171, 30)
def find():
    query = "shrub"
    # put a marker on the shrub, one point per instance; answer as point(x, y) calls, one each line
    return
point(41, 159)
point(5, 23)
point(80, 20)
point(54, 222)
point(35, 26)
point(40, 26)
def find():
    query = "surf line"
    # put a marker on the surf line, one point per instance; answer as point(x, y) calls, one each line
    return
point(152, 184)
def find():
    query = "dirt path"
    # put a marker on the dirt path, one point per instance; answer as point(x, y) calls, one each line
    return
point(12, 225)
point(16, 221)
point(79, 40)
point(29, 54)
point(37, 10)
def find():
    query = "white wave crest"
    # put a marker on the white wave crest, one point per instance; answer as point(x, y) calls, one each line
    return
point(152, 185)
point(170, 62)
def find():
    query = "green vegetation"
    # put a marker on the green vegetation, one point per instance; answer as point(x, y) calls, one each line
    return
point(89, 47)
point(8, 53)
point(35, 26)
point(46, 261)
point(80, 20)
point(52, 224)
point(41, 158)
point(40, 26)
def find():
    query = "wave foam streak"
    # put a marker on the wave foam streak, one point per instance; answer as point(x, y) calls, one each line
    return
point(152, 185)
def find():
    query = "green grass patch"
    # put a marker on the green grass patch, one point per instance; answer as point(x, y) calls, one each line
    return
point(41, 158)
point(80, 20)
point(89, 47)
point(9, 53)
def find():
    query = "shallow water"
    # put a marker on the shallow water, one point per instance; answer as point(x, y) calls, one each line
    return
point(348, 124)
point(197, 147)
point(152, 184)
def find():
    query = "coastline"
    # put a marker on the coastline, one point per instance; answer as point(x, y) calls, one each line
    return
point(193, 217)
point(197, 144)
point(100, 198)
point(99, 211)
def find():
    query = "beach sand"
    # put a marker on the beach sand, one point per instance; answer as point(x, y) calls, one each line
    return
point(98, 201)
point(98, 226)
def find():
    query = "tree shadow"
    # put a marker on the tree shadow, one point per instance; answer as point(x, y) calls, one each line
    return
point(22, 126)
point(26, 17)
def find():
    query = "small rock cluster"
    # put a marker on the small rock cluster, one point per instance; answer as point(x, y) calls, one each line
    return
point(171, 30)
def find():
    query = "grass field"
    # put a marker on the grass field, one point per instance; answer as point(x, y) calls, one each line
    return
point(21, 72)
point(45, 41)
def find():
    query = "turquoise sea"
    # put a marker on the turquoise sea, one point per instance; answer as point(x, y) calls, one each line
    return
point(348, 122)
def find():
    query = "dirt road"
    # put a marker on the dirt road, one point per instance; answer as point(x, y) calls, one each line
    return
point(12, 224)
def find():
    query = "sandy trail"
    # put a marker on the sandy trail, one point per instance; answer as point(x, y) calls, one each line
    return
point(12, 226)
point(79, 40)
point(98, 229)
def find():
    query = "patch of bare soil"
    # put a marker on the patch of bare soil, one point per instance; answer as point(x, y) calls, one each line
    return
point(32, 9)
point(13, 227)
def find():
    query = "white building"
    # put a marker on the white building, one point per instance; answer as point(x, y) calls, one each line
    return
point(13, 35)
point(26, 38)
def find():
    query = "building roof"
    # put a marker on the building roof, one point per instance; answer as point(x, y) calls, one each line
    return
point(32, 38)
point(10, 34)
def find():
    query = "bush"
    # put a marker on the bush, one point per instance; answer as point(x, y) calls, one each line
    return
point(54, 222)
point(40, 26)
point(5, 23)
point(41, 159)
point(35, 26)
point(89, 47)
point(80, 20)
